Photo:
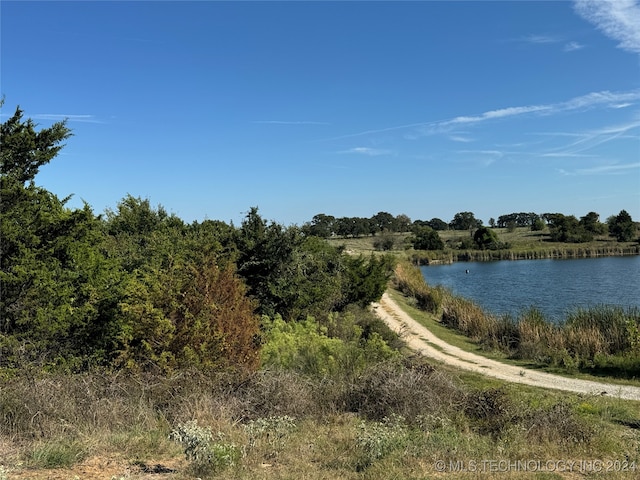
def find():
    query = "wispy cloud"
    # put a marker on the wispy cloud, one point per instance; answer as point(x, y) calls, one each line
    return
point(485, 157)
point(286, 122)
point(546, 39)
point(58, 117)
point(617, 19)
point(460, 138)
point(614, 169)
point(567, 155)
point(451, 127)
point(590, 139)
point(573, 46)
point(540, 39)
point(622, 105)
point(372, 152)
point(494, 114)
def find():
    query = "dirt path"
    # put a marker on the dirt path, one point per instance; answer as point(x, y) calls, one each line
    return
point(420, 339)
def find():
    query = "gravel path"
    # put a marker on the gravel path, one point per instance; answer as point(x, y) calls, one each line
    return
point(420, 339)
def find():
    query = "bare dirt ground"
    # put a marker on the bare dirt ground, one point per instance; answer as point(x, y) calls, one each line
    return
point(422, 340)
point(102, 468)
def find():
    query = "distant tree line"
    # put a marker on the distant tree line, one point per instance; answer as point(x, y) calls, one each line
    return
point(562, 228)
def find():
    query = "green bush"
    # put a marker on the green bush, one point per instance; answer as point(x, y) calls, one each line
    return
point(305, 347)
point(206, 455)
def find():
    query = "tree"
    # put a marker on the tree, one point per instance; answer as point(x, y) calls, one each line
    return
point(24, 150)
point(402, 223)
point(58, 293)
point(382, 222)
point(567, 229)
point(321, 226)
point(366, 280)
point(622, 227)
point(538, 225)
point(520, 219)
point(591, 223)
point(426, 238)
point(438, 224)
point(486, 239)
point(464, 221)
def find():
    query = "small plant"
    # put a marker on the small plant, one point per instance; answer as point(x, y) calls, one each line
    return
point(376, 440)
point(273, 430)
point(199, 448)
point(4, 473)
point(56, 454)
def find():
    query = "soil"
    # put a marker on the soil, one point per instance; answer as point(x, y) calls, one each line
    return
point(101, 468)
point(422, 340)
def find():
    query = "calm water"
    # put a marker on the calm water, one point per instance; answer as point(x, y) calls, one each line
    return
point(553, 286)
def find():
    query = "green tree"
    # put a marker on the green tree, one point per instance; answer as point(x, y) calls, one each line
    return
point(538, 225)
point(382, 222)
point(591, 223)
point(426, 238)
point(321, 226)
point(438, 224)
point(25, 150)
point(366, 279)
point(464, 221)
point(567, 229)
point(622, 227)
point(486, 239)
point(59, 293)
point(402, 223)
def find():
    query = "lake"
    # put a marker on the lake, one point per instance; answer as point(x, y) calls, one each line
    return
point(553, 286)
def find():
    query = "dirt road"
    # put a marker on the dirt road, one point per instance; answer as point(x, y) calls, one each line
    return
point(420, 339)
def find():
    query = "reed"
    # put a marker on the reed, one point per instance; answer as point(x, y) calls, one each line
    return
point(409, 280)
point(600, 339)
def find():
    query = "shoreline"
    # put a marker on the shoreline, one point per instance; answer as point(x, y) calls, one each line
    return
point(424, 342)
point(444, 258)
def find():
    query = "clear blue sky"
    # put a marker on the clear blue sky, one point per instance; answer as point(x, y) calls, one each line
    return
point(343, 108)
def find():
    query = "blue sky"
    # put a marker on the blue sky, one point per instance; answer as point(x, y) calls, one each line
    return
point(343, 108)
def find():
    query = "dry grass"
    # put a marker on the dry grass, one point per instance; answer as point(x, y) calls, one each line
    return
point(393, 420)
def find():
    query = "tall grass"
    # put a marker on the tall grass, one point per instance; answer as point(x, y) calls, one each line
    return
point(409, 280)
point(601, 339)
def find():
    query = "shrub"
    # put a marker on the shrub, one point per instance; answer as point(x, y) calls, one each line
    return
point(376, 440)
point(408, 390)
point(491, 410)
point(270, 433)
point(279, 392)
point(557, 425)
point(384, 243)
point(206, 455)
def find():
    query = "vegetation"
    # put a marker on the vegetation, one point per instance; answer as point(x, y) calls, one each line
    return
point(136, 343)
point(601, 340)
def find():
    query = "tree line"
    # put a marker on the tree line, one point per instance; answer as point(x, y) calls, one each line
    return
point(563, 228)
point(139, 288)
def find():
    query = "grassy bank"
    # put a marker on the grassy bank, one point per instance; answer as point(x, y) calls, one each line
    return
point(601, 341)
